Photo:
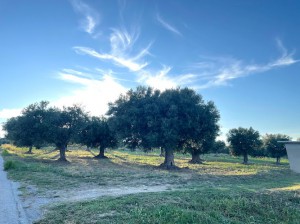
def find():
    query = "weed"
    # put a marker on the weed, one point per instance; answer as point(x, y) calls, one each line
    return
point(5, 153)
point(9, 165)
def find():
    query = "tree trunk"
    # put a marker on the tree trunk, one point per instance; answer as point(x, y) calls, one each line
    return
point(169, 162)
point(245, 159)
point(162, 152)
point(278, 160)
point(195, 158)
point(62, 154)
point(29, 150)
point(101, 153)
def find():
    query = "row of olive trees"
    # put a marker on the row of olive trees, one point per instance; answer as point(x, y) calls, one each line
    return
point(244, 142)
point(40, 124)
point(173, 120)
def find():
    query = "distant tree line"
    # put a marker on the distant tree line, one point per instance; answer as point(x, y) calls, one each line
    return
point(175, 120)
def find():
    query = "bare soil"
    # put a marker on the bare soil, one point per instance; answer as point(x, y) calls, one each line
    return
point(35, 204)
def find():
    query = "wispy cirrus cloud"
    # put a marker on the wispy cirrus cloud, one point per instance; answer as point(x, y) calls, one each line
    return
point(121, 42)
point(90, 18)
point(162, 79)
point(218, 71)
point(167, 25)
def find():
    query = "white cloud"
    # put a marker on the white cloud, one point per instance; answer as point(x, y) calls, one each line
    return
point(128, 63)
point(219, 71)
point(2, 132)
point(94, 94)
point(162, 80)
point(8, 113)
point(121, 43)
point(167, 25)
point(90, 16)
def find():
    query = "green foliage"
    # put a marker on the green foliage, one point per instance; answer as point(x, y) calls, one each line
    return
point(5, 153)
point(219, 147)
point(259, 152)
point(63, 126)
point(4, 141)
point(8, 165)
point(96, 133)
point(27, 130)
point(135, 118)
point(273, 147)
point(243, 141)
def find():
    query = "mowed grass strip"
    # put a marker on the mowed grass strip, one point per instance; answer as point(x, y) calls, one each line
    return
point(195, 206)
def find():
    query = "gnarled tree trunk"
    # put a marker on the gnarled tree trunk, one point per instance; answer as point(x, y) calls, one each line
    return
point(62, 154)
point(277, 160)
point(195, 158)
point(29, 150)
point(162, 152)
point(169, 162)
point(101, 153)
point(245, 158)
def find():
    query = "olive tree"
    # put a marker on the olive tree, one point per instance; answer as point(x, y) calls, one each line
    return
point(97, 133)
point(243, 141)
point(275, 149)
point(219, 147)
point(201, 127)
point(28, 130)
point(63, 127)
point(169, 120)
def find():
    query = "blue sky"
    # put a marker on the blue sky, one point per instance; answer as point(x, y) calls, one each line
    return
point(243, 55)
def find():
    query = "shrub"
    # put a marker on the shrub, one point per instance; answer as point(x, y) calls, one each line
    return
point(260, 152)
point(9, 165)
point(5, 153)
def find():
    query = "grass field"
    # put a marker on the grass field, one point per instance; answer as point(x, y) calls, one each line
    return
point(221, 190)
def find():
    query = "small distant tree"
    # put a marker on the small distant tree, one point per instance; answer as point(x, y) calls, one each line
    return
point(219, 147)
point(27, 130)
point(274, 148)
point(97, 133)
point(4, 141)
point(64, 126)
point(260, 152)
point(243, 142)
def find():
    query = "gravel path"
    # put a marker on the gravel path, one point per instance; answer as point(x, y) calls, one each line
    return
point(11, 210)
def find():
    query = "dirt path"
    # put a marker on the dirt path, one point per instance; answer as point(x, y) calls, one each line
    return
point(11, 210)
point(88, 194)
point(35, 205)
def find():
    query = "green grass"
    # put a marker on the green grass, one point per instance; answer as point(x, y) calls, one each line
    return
point(9, 165)
point(221, 190)
point(5, 153)
point(195, 206)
